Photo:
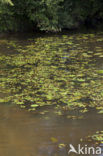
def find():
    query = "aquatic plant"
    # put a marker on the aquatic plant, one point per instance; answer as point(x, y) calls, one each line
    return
point(63, 70)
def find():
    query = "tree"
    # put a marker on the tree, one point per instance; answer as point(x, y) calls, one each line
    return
point(49, 15)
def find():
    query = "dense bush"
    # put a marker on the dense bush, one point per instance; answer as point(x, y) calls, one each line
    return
point(49, 15)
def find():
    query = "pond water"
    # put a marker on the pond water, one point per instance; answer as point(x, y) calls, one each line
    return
point(29, 134)
point(51, 94)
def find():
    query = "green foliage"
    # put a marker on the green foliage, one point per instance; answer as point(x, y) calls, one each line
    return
point(7, 22)
point(50, 15)
point(45, 13)
point(6, 1)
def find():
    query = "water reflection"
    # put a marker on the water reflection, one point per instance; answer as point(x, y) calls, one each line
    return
point(23, 133)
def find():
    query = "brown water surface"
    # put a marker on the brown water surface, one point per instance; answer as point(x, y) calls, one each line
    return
point(27, 134)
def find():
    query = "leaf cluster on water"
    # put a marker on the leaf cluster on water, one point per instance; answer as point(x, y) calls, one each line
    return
point(66, 70)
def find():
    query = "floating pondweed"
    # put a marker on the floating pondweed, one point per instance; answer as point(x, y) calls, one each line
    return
point(54, 71)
